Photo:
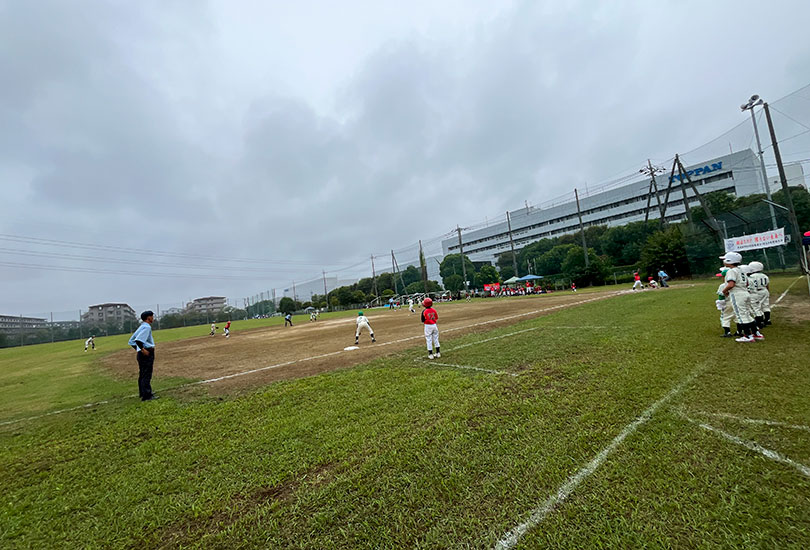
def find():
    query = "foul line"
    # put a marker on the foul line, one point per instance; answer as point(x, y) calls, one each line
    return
point(785, 292)
point(294, 361)
point(511, 538)
point(754, 446)
point(431, 362)
point(746, 420)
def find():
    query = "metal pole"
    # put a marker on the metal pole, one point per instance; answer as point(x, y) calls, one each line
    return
point(374, 277)
point(797, 233)
point(766, 185)
point(423, 265)
point(511, 243)
point(22, 340)
point(394, 272)
point(52, 327)
point(463, 266)
point(582, 230)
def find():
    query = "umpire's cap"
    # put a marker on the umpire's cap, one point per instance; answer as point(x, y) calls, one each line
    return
point(146, 314)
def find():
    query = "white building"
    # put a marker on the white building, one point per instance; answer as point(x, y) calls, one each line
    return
point(738, 173)
point(207, 304)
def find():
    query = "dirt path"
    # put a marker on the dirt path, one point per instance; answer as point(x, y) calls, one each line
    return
point(213, 357)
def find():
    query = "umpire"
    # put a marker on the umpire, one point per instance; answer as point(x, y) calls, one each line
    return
point(141, 341)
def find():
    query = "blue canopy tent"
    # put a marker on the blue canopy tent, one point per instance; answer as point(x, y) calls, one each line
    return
point(530, 277)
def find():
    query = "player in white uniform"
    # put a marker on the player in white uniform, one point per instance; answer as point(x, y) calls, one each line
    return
point(362, 323)
point(724, 306)
point(90, 342)
point(213, 329)
point(737, 291)
point(759, 289)
point(410, 305)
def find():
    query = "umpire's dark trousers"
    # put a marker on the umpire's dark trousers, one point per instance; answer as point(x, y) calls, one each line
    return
point(145, 364)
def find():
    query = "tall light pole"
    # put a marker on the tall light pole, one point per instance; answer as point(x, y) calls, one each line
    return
point(754, 101)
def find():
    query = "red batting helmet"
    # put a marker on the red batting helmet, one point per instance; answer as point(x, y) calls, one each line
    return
point(428, 302)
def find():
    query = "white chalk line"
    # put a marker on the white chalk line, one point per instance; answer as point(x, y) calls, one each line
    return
point(754, 446)
point(294, 361)
point(432, 362)
point(759, 421)
point(511, 538)
point(776, 303)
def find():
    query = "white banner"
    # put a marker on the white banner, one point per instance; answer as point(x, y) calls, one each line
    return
point(775, 237)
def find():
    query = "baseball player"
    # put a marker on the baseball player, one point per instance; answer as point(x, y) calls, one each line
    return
point(288, 319)
point(573, 287)
point(736, 290)
point(724, 306)
point(362, 323)
point(637, 281)
point(227, 330)
point(429, 318)
point(213, 329)
point(90, 342)
point(410, 305)
point(759, 290)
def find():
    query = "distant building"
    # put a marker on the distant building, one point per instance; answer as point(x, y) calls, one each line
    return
point(208, 304)
point(11, 323)
point(172, 311)
point(102, 314)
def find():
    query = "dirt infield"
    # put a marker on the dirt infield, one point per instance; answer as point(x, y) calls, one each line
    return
point(213, 357)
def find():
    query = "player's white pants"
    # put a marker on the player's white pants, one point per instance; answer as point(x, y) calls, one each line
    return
point(638, 284)
point(762, 301)
point(432, 337)
point(361, 326)
point(227, 332)
point(741, 304)
point(727, 314)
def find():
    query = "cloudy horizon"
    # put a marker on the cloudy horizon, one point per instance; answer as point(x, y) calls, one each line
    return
point(250, 144)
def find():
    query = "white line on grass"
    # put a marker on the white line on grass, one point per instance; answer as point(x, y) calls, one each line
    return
point(431, 362)
point(511, 538)
point(765, 422)
point(785, 292)
point(756, 447)
point(294, 361)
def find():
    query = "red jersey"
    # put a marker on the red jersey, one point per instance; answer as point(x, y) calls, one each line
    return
point(429, 316)
point(636, 276)
point(228, 324)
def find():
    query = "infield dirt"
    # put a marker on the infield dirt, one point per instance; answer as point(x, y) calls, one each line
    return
point(209, 357)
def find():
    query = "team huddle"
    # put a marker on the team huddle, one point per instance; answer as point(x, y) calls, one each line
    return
point(744, 296)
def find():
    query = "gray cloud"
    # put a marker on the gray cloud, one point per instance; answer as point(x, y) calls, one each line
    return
point(191, 129)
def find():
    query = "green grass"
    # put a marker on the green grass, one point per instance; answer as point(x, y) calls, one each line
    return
point(401, 454)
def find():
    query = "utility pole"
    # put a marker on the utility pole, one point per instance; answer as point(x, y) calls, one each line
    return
point(511, 243)
point(652, 171)
point(394, 272)
point(582, 230)
point(295, 296)
point(325, 292)
point(423, 266)
point(797, 233)
point(666, 197)
point(709, 216)
point(374, 276)
point(463, 266)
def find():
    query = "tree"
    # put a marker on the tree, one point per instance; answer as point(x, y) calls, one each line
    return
point(550, 263)
point(665, 249)
point(451, 265)
point(359, 297)
point(530, 253)
point(286, 305)
point(344, 295)
point(453, 283)
point(411, 275)
point(385, 281)
point(387, 293)
point(504, 261)
point(485, 276)
point(366, 285)
point(574, 267)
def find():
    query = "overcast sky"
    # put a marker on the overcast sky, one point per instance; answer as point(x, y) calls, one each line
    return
point(308, 135)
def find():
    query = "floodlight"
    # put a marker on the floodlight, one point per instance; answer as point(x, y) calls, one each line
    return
point(754, 97)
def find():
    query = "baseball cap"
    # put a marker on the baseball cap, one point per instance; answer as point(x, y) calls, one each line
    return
point(732, 257)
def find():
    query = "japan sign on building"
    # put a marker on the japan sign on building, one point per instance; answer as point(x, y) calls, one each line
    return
point(775, 237)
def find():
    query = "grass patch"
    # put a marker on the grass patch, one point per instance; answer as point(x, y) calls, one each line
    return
point(402, 454)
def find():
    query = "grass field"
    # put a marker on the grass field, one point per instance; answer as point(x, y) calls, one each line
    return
point(628, 423)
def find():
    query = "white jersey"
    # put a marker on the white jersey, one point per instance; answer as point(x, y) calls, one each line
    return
point(88, 341)
point(758, 282)
point(739, 278)
point(362, 320)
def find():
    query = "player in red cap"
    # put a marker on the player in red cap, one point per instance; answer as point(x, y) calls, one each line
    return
point(429, 318)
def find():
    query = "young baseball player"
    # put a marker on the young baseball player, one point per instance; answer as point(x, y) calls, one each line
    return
point(724, 306)
point(228, 329)
point(759, 289)
point(637, 281)
point(652, 282)
point(213, 329)
point(288, 319)
point(429, 318)
point(362, 323)
point(90, 342)
point(573, 287)
point(410, 305)
point(736, 290)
